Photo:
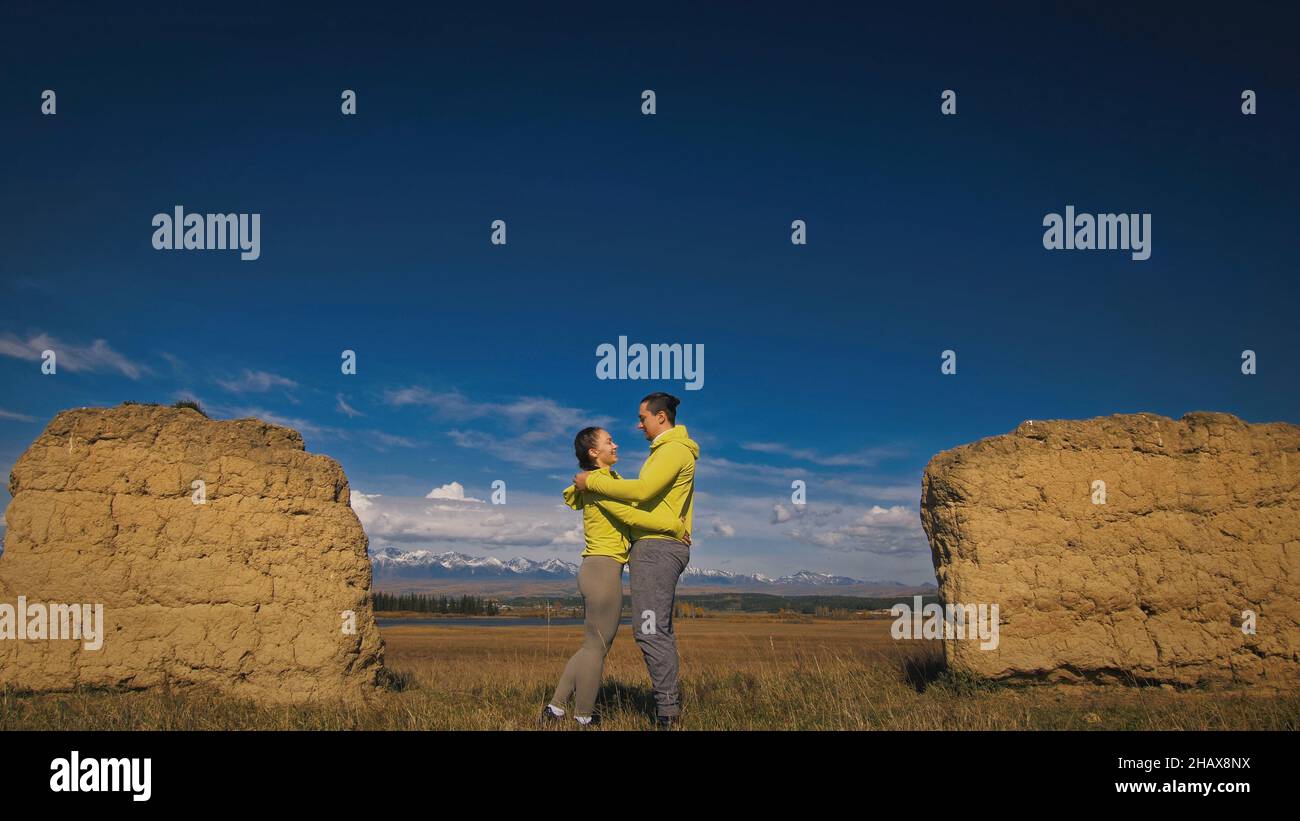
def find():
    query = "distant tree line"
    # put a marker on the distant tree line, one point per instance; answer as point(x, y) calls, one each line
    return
point(421, 603)
point(686, 610)
point(827, 606)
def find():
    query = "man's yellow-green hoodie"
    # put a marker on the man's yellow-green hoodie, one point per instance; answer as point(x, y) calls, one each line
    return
point(666, 484)
point(607, 524)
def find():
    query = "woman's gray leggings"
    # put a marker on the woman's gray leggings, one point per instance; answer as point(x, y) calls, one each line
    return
point(600, 581)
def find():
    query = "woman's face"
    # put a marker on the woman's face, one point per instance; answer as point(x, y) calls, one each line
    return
point(605, 452)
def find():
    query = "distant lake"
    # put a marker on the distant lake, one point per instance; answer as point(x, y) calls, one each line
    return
point(484, 621)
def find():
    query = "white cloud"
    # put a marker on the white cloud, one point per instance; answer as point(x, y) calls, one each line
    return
point(894, 516)
point(303, 426)
point(256, 382)
point(449, 403)
point(784, 513)
point(178, 365)
point(533, 413)
point(529, 521)
point(98, 356)
point(344, 408)
point(574, 536)
point(16, 417)
point(383, 441)
point(719, 467)
point(863, 542)
point(531, 431)
point(452, 490)
point(879, 530)
point(375, 439)
point(909, 492)
point(867, 457)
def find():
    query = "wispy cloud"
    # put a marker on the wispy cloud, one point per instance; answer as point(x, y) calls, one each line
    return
point(179, 367)
point(722, 468)
point(97, 356)
point(220, 410)
point(883, 489)
point(876, 492)
point(16, 417)
point(256, 382)
point(530, 431)
point(884, 531)
point(450, 404)
point(375, 439)
point(867, 457)
point(344, 408)
point(533, 412)
point(381, 441)
point(531, 449)
point(303, 426)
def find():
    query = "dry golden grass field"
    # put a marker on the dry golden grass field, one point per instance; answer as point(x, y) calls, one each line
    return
point(738, 673)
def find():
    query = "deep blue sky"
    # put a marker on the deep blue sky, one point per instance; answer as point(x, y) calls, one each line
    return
point(822, 361)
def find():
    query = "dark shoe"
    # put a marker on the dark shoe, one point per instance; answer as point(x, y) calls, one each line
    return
point(549, 718)
point(665, 722)
point(594, 723)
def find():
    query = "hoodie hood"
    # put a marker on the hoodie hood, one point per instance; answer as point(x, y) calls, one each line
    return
point(678, 434)
point(572, 497)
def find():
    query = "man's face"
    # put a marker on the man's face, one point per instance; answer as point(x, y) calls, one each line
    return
point(651, 424)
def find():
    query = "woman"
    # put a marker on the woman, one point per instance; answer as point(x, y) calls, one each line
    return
point(600, 579)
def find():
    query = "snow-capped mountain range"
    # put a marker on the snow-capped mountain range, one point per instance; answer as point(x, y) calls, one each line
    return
point(426, 564)
point(392, 563)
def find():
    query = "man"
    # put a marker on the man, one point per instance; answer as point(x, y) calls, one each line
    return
point(656, 561)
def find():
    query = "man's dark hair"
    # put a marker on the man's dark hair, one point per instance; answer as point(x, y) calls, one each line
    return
point(666, 402)
point(584, 442)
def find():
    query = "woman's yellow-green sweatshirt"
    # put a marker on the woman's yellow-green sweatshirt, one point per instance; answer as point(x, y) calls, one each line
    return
point(608, 525)
point(666, 484)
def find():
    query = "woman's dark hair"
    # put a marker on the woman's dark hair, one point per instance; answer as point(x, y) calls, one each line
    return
point(665, 402)
point(583, 442)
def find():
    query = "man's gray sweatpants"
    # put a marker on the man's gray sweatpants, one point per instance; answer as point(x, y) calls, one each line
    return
point(654, 566)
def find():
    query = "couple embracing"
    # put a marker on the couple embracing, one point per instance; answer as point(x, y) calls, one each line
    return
point(643, 523)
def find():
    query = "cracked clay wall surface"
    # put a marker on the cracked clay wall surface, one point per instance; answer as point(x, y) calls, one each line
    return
point(1201, 522)
point(244, 593)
